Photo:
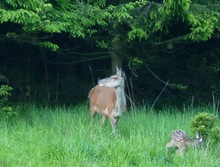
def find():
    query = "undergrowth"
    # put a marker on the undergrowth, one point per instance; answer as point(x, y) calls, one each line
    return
point(60, 136)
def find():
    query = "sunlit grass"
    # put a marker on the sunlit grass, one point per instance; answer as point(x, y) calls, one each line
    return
point(65, 137)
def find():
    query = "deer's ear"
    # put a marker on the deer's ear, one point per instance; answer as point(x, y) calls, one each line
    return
point(118, 71)
point(197, 135)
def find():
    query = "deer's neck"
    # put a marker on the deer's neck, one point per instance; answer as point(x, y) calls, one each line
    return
point(121, 101)
point(192, 142)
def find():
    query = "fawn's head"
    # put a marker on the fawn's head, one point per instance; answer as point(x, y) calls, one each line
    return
point(199, 140)
point(114, 80)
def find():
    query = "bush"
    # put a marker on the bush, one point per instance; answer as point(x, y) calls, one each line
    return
point(214, 136)
point(5, 110)
point(205, 124)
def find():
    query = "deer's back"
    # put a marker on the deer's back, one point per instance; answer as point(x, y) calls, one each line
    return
point(181, 139)
point(102, 98)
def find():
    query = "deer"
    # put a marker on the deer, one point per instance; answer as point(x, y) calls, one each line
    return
point(181, 141)
point(108, 99)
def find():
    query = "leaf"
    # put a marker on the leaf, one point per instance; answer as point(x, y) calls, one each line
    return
point(49, 45)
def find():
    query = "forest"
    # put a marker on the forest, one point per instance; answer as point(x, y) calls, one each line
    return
point(54, 51)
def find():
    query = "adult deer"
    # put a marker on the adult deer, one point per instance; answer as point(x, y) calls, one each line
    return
point(108, 98)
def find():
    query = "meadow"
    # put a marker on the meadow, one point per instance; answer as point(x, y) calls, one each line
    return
point(66, 137)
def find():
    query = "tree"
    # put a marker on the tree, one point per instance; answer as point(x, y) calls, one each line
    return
point(167, 38)
point(35, 21)
point(148, 37)
point(32, 27)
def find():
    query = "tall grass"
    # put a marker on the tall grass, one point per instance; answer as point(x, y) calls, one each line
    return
point(66, 137)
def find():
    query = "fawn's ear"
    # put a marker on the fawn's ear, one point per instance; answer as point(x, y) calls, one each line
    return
point(198, 136)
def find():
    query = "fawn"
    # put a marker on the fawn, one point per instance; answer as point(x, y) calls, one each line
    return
point(181, 141)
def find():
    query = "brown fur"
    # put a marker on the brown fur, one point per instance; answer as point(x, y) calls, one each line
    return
point(103, 100)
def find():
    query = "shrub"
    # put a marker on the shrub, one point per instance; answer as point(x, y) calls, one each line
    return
point(214, 136)
point(5, 110)
point(203, 123)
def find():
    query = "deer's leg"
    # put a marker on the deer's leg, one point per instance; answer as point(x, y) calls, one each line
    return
point(180, 151)
point(114, 121)
point(170, 144)
point(92, 113)
point(103, 119)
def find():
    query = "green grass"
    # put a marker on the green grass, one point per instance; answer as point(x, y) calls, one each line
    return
point(66, 137)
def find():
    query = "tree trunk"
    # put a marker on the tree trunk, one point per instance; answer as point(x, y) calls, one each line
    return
point(116, 61)
point(115, 56)
point(28, 78)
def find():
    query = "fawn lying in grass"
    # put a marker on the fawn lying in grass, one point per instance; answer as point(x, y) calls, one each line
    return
point(181, 141)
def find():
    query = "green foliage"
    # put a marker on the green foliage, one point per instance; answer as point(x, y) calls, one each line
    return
point(137, 32)
point(27, 4)
point(81, 18)
point(178, 86)
point(49, 45)
point(7, 112)
point(78, 19)
point(128, 14)
point(136, 63)
point(203, 123)
point(20, 16)
point(5, 93)
point(169, 10)
point(102, 44)
point(159, 33)
point(201, 19)
point(97, 2)
point(214, 136)
point(145, 19)
point(67, 138)
point(202, 28)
